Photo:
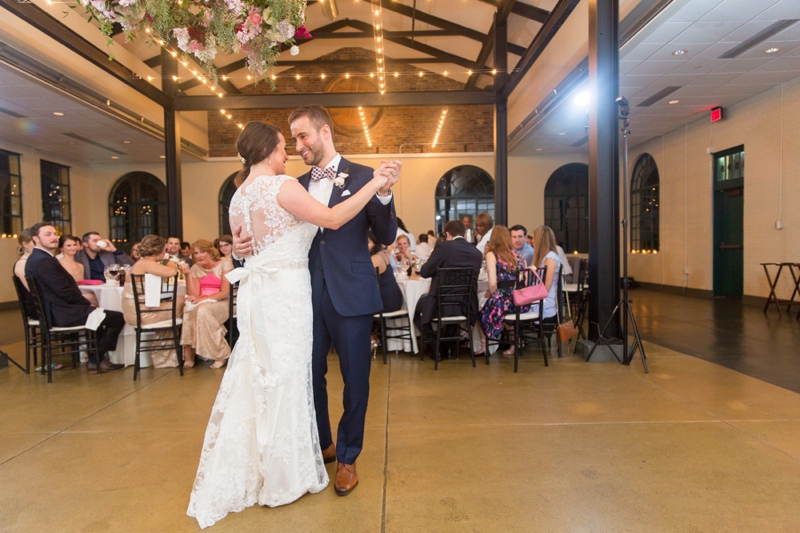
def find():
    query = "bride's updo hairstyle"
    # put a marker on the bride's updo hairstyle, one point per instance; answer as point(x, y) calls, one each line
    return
point(256, 142)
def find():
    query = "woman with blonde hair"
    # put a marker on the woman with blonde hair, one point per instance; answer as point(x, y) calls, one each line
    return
point(151, 253)
point(206, 312)
point(502, 264)
point(546, 255)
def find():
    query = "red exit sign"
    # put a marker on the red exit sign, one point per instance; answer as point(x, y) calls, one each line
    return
point(716, 114)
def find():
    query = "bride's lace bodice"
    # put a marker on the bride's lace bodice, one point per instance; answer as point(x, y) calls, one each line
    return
point(255, 207)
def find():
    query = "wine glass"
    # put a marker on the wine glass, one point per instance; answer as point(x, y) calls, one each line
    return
point(111, 273)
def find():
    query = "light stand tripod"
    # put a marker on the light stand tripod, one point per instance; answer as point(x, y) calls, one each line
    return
point(627, 355)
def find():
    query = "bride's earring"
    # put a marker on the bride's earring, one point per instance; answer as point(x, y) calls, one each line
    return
point(269, 162)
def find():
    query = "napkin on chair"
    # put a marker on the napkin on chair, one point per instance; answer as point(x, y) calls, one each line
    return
point(95, 318)
point(152, 290)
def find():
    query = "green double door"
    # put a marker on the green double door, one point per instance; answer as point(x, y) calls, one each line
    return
point(729, 223)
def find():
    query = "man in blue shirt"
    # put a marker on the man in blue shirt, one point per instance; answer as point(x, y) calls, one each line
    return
point(518, 241)
point(97, 254)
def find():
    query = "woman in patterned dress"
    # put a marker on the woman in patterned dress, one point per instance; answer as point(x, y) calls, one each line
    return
point(502, 264)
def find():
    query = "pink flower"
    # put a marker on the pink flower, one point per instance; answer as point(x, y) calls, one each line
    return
point(194, 46)
point(302, 33)
point(254, 18)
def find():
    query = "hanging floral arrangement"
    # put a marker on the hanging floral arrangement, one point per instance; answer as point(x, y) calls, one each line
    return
point(259, 28)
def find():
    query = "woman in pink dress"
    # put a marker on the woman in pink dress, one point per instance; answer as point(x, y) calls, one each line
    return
point(206, 311)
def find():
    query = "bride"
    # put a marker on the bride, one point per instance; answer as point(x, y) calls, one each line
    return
point(261, 445)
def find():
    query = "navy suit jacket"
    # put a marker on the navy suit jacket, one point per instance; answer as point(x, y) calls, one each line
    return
point(341, 258)
point(457, 253)
point(63, 301)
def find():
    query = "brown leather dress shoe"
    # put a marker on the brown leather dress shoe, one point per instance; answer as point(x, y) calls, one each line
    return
point(346, 479)
point(329, 454)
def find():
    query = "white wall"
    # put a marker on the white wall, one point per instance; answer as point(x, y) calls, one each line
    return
point(768, 125)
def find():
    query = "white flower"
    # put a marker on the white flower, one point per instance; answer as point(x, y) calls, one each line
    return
point(294, 50)
point(339, 180)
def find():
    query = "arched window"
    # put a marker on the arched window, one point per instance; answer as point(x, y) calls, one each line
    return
point(464, 190)
point(137, 206)
point(225, 195)
point(566, 206)
point(644, 206)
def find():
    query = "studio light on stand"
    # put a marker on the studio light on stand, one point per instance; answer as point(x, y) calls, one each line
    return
point(625, 302)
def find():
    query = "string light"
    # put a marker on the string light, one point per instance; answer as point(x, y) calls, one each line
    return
point(439, 129)
point(377, 22)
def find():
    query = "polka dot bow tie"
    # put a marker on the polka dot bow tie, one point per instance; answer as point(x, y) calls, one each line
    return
point(320, 174)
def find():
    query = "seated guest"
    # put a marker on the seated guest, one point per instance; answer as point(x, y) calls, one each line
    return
point(152, 250)
point(564, 261)
point(186, 253)
point(529, 240)
point(502, 264)
point(519, 243)
point(545, 255)
point(423, 248)
point(225, 246)
point(403, 250)
point(207, 290)
point(401, 230)
point(391, 296)
point(469, 235)
point(431, 239)
point(174, 248)
point(63, 300)
point(97, 254)
point(135, 256)
point(483, 226)
point(455, 252)
point(70, 246)
point(26, 246)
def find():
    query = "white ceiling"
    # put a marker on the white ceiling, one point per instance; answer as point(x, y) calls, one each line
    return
point(40, 128)
point(705, 29)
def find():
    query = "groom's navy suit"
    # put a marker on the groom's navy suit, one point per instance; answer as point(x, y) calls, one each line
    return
point(345, 294)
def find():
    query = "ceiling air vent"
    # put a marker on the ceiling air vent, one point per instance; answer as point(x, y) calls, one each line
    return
point(11, 113)
point(94, 143)
point(758, 38)
point(663, 93)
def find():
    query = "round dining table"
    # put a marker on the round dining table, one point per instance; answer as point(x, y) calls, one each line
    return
point(413, 289)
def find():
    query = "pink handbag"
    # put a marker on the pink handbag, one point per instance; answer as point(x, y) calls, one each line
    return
point(530, 294)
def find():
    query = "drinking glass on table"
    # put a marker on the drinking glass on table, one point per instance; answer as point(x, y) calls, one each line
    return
point(111, 273)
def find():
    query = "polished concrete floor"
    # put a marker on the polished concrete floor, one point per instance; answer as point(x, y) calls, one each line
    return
point(575, 447)
point(729, 333)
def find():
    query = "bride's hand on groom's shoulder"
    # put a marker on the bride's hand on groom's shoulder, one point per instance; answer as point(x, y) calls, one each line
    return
point(242, 244)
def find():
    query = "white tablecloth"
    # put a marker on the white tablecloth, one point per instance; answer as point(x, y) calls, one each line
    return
point(413, 289)
point(110, 297)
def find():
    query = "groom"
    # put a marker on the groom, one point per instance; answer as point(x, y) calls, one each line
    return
point(344, 287)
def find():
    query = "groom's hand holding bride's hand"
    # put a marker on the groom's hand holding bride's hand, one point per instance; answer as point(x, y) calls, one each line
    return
point(242, 246)
point(391, 171)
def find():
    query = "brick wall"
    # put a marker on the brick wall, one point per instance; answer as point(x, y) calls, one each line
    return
point(400, 129)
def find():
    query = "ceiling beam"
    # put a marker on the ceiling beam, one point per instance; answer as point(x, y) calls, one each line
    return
point(419, 47)
point(42, 21)
point(524, 10)
point(503, 11)
point(154, 61)
point(421, 16)
point(546, 33)
point(370, 34)
point(375, 99)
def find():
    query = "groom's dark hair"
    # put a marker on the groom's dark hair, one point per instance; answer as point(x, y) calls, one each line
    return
point(256, 142)
point(317, 114)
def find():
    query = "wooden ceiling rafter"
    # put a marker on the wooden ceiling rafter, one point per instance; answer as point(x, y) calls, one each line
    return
point(504, 9)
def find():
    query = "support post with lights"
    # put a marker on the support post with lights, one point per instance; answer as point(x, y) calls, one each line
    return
point(172, 145)
point(603, 166)
point(500, 122)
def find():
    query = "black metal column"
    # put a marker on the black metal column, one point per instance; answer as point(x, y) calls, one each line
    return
point(501, 122)
point(603, 165)
point(172, 145)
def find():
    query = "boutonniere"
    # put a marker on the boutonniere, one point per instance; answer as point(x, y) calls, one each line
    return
point(339, 179)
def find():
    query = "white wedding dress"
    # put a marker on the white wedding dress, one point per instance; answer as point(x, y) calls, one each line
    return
point(261, 445)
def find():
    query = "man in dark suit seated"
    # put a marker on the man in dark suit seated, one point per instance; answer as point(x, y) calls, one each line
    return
point(62, 299)
point(97, 254)
point(455, 252)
